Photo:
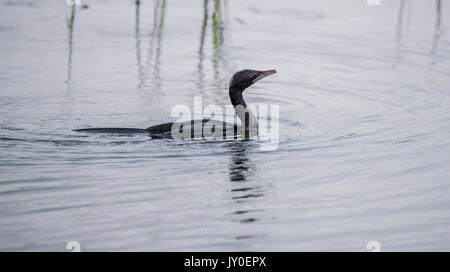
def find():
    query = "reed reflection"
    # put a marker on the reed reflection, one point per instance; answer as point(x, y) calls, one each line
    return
point(217, 58)
point(152, 66)
point(141, 69)
point(201, 55)
point(217, 36)
point(398, 33)
point(155, 39)
point(400, 16)
point(437, 31)
point(70, 26)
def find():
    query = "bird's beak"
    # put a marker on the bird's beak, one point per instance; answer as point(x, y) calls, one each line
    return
point(263, 74)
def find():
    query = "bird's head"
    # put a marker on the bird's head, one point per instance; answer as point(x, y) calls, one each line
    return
point(245, 78)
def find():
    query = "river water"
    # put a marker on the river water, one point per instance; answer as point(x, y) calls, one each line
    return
point(364, 129)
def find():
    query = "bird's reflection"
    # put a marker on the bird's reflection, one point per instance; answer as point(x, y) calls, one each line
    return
point(240, 167)
point(70, 26)
point(243, 187)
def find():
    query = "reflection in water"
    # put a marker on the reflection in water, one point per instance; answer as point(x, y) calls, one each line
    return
point(141, 70)
point(437, 30)
point(225, 7)
point(243, 190)
point(70, 25)
point(156, 37)
point(218, 27)
point(201, 56)
point(240, 165)
point(400, 19)
point(398, 33)
point(217, 37)
point(153, 63)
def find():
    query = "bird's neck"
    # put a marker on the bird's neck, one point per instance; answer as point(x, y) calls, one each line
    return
point(244, 113)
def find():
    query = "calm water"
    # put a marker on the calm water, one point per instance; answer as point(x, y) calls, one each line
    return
point(364, 153)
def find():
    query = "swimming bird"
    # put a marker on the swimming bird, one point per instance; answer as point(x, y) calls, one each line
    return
point(239, 82)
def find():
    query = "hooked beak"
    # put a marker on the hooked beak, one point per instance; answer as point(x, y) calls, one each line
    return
point(264, 74)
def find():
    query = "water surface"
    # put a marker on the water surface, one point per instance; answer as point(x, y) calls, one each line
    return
point(364, 149)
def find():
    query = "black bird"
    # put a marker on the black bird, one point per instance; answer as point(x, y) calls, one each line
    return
point(238, 83)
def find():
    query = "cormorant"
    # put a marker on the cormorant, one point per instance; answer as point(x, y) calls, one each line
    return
point(238, 83)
